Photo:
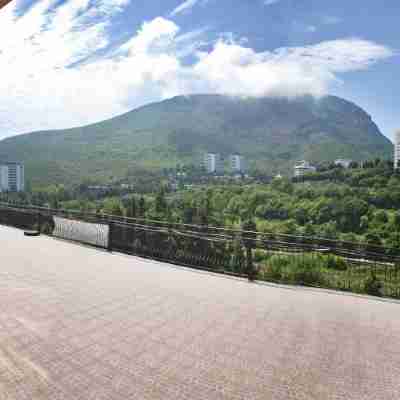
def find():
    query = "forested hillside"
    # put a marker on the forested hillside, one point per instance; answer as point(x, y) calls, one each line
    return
point(272, 133)
point(356, 204)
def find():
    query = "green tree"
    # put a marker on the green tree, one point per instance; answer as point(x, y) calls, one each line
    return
point(142, 207)
point(353, 210)
point(381, 217)
point(396, 221)
point(113, 206)
point(131, 209)
point(364, 223)
point(309, 230)
point(160, 202)
point(189, 213)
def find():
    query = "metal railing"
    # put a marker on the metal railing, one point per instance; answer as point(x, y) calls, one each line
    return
point(284, 258)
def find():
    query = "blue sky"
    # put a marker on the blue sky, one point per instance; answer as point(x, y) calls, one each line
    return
point(73, 62)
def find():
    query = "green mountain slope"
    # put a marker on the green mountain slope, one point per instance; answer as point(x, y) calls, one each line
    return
point(271, 132)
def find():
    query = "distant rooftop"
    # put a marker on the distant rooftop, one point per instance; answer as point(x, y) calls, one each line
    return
point(11, 163)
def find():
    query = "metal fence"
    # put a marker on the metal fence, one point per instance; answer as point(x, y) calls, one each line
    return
point(356, 267)
point(179, 246)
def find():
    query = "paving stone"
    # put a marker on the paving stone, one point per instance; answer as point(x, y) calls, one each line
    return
point(82, 324)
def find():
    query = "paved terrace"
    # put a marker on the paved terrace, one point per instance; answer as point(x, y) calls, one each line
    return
point(78, 323)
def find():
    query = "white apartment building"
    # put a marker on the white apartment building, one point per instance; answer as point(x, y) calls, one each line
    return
point(12, 177)
point(302, 168)
point(238, 163)
point(397, 149)
point(212, 162)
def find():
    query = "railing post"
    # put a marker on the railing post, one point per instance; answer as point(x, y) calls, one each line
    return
point(249, 239)
point(249, 263)
point(110, 235)
point(39, 222)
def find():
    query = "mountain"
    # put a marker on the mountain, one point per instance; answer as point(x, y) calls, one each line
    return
point(271, 133)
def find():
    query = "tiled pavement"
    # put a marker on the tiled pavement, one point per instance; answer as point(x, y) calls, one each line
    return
point(81, 324)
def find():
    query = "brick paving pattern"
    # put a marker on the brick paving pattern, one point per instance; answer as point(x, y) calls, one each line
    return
point(81, 324)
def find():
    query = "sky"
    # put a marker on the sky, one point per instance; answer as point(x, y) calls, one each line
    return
point(67, 63)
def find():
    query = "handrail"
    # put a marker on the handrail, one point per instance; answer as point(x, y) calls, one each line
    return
point(219, 231)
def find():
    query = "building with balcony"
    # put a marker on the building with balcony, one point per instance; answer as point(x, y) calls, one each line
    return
point(212, 163)
point(12, 177)
point(237, 164)
point(302, 168)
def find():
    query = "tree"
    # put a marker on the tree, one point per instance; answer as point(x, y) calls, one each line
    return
point(131, 209)
point(394, 241)
point(373, 286)
point(189, 213)
point(113, 206)
point(381, 217)
point(354, 165)
point(54, 202)
point(329, 230)
point(160, 202)
point(301, 215)
point(142, 207)
point(353, 210)
point(396, 221)
point(373, 239)
point(282, 185)
point(309, 230)
point(206, 210)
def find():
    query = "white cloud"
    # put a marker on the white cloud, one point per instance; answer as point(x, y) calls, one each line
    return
point(51, 78)
point(185, 7)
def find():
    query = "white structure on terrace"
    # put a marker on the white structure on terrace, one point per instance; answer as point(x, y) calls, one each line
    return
point(302, 168)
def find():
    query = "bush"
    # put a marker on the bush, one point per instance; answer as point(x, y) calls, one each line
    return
point(373, 286)
point(307, 271)
point(274, 273)
point(303, 270)
point(334, 262)
point(275, 268)
point(259, 255)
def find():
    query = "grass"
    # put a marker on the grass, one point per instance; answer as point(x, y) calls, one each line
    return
point(329, 271)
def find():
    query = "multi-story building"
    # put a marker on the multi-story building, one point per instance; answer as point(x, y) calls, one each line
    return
point(12, 177)
point(238, 163)
point(397, 150)
point(212, 163)
point(302, 168)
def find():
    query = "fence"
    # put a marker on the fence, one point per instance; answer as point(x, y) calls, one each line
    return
point(357, 267)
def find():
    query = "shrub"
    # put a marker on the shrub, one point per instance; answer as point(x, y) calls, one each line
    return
point(307, 271)
point(259, 255)
point(303, 270)
point(337, 263)
point(373, 285)
point(273, 272)
point(275, 268)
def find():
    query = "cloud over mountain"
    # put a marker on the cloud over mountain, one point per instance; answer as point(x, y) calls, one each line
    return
point(61, 68)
